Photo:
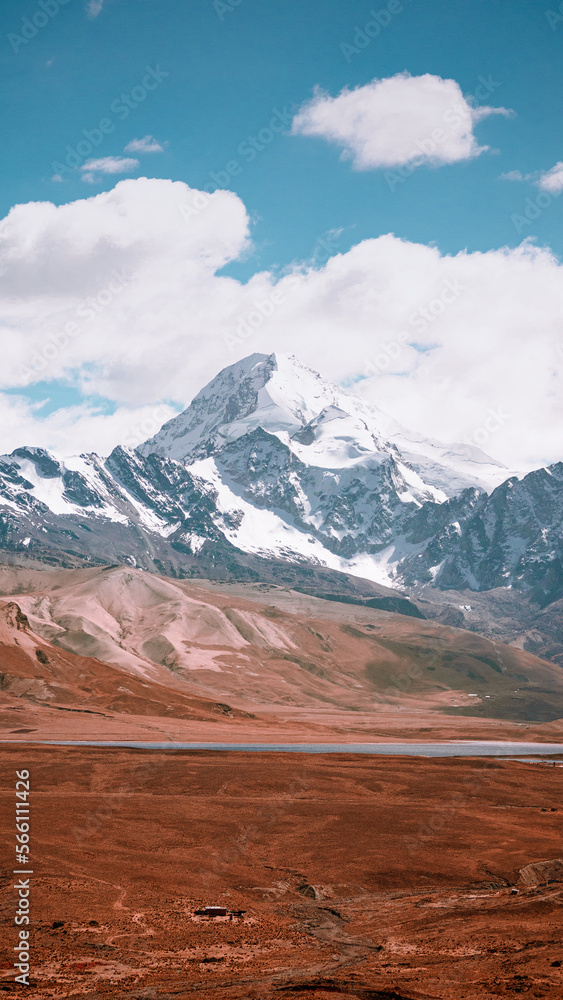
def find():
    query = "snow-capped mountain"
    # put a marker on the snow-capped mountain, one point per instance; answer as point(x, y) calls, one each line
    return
point(321, 425)
point(512, 538)
point(271, 462)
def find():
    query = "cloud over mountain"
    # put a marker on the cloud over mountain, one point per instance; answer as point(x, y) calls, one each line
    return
point(122, 295)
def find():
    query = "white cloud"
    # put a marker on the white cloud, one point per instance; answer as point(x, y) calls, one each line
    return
point(514, 175)
point(548, 180)
point(94, 7)
point(552, 180)
point(397, 121)
point(134, 272)
point(106, 165)
point(63, 429)
point(148, 144)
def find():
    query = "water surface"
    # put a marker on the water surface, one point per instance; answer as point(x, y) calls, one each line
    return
point(465, 748)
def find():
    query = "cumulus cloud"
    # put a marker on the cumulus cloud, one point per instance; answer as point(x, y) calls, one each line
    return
point(397, 121)
point(552, 180)
point(92, 169)
point(121, 293)
point(106, 285)
point(148, 144)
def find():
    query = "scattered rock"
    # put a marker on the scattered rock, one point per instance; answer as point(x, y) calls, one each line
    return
point(15, 617)
point(541, 872)
point(224, 709)
point(335, 913)
point(307, 890)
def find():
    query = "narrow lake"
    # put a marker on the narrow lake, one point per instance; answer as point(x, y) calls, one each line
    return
point(469, 748)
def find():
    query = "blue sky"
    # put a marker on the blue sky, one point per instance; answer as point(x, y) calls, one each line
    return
point(219, 73)
point(228, 71)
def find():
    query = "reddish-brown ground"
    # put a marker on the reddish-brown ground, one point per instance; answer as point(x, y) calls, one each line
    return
point(352, 876)
point(360, 877)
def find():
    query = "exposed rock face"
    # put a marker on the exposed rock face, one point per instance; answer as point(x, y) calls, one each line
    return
point(542, 872)
point(512, 538)
point(13, 616)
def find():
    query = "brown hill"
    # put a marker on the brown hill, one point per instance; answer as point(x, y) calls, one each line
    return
point(43, 681)
point(129, 642)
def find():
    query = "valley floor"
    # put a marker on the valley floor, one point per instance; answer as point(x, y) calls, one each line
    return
point(268, 724)
point(343, 876)
point(410, 720)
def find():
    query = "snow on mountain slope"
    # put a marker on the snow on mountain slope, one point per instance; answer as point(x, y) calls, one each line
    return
point(34, 478)
point(272, 462)
point(308, 471)
point(272, 533)
point(322, 424)
point(152, 495)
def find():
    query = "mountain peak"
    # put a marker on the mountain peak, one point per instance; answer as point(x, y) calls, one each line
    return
point(272, 391)
point(322, 424)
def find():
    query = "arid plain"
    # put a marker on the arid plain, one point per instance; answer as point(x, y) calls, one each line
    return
point(342, 874)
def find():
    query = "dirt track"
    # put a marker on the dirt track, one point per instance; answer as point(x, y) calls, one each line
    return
point(359, 877)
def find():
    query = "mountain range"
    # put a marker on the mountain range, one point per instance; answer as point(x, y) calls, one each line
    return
point(274, 473)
